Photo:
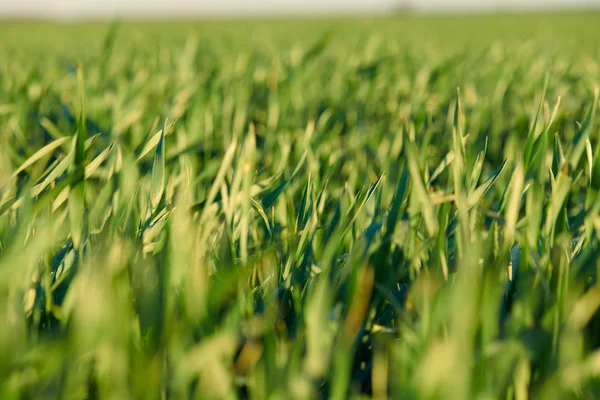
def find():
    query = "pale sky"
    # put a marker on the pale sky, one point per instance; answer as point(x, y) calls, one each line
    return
point(113, 8)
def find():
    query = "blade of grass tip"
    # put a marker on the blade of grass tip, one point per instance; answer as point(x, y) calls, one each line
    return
point(154, 140)
point(554, 113)
point(248, 178)
point(552, 178)
point(299, 165)
point(38, 155)
point(431, 222)
point(439, 258)
point(333, 223)
point(377, 207)
point(590, 157)
point(558, 157)
point(76, 203)
point(536, 167)
point(381, 270)
point(43, 200)
point(478, 193)
point(542, 141)
point(101, 208)
point(580, 139)
point(142, 141)
point(442, 167)
point(61, 168)
point(532, 130)
point(81, 128)
point(459, 119)
point(58, 159)
point(225, 164)
point(303, 251)
point(157, 185)
point(458, 166)
point(399, 196)
point(96, 162)
point(302, 211)
point(478, 167)
point(534, 206)
point(463, 240)
point(362, 203)
point(269, 197)
point(559, 195)
point(89, 171)
point(230, 194)
point(514, 205)
point(261, 212)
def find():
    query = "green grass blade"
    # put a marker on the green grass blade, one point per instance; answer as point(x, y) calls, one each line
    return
point(41, 153)
point(157, 185)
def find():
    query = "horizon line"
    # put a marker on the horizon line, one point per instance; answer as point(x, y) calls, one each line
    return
point(301, 14)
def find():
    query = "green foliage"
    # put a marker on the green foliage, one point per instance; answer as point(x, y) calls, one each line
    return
point(301, 209)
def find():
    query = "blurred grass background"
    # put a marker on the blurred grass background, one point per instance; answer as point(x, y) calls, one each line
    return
point(572, 29)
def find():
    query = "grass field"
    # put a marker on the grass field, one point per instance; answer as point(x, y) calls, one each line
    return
point(402, 208)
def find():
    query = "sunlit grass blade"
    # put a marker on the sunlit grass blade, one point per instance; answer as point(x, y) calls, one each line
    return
point(157, 185)
point(41, 153)
point(76, 202)
point(428, 209)
point(581, 137)
point(476, 195)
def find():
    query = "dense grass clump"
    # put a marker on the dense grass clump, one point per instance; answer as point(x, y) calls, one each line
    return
point(389, 208)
